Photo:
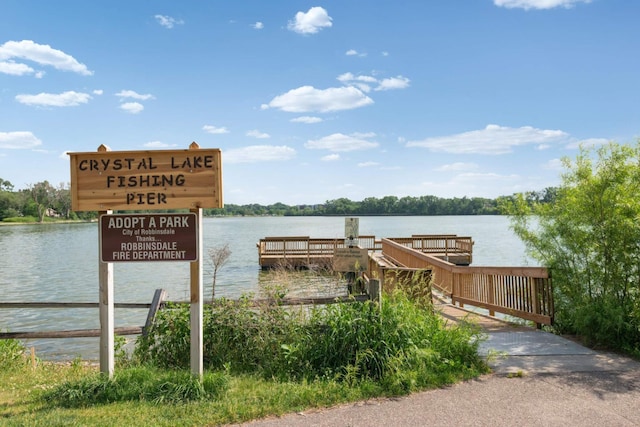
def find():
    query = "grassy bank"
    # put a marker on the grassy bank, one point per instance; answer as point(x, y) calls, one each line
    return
point(259, 362)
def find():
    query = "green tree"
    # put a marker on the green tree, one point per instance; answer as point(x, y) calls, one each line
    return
point(62, 200)
point(43, 195)
point(5, 185)
point(10, 205)
point(590, 239)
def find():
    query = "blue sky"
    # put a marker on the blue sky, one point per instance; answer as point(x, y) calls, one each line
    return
point(313, 101)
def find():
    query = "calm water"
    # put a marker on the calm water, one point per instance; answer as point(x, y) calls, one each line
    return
point(60, 263)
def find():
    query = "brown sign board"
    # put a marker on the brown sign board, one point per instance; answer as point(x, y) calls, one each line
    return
point(146, 180)
point(148, 237)
point(350, 259)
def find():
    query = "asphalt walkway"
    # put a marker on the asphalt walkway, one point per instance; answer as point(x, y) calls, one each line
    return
point(538, 379)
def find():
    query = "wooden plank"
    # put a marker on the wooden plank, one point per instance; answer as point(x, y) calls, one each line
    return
point(76, 333)
point(537, 318)
point(158, 300)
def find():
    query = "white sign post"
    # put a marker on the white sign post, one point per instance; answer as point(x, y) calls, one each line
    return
point(106, 308)
point(196, 316)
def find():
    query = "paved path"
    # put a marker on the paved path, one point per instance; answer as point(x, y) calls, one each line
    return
point(538, 379)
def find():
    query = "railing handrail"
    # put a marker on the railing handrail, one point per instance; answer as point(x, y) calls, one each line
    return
point(520, 291)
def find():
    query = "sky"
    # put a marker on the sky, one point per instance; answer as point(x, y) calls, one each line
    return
point(315, 101)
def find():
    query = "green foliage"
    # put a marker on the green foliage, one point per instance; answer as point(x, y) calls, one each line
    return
point(236, 334)
point(388, 205)
point(590, 239)
point(361, 341)
point(348, 342)
point(138, 384)
point(11, 354)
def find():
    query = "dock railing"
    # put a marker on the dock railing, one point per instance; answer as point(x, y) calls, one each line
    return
point(441, 244)
point(523, 292)
point(304, 249)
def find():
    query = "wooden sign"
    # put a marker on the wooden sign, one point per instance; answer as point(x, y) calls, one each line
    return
point(350, 259)
point(146, 180)
point(148, 237)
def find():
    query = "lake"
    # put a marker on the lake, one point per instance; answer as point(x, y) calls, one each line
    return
point(59, 262)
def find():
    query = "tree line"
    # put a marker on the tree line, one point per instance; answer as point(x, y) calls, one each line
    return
point(37, 202)
point(43, 200)
point(388, 205)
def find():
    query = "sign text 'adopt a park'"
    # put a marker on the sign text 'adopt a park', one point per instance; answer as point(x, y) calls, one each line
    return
point(148, 237)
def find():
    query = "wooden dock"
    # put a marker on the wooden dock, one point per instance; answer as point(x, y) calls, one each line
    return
point(307, 252)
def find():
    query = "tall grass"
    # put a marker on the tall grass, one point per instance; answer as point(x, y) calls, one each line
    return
point(399, 344)
point(11, 354)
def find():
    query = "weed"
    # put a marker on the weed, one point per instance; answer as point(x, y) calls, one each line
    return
point(12, 353)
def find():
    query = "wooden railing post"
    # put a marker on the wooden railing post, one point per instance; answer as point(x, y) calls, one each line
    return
point(491, 296)
point(158, 299)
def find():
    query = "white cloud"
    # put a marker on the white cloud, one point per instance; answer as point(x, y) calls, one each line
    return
point(367, 164)
point(168, 21)
point(306, 119)
point(258, 25)
point(257, 134)
point(350, 77)
point(538, 4)
point(353, 52)
point(311, 22)
point(134, 95)
point(457, 166)
point(98, 92)
point(40, 54)
point(309, 99)
point(18, 140)
point(393, 83)
point(259, 153)
point(65, 99)
point(215, 130)
point(363, 82)
point(339, 142)
point(331, 158)
point(132, 107)
point(493, 139)
point(15, 69)
point(158, 144)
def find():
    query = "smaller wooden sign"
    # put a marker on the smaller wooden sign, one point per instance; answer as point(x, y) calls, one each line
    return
point(148, 237)
point(351, 259)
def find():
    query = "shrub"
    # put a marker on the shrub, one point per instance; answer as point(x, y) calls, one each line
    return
point(588, 237)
